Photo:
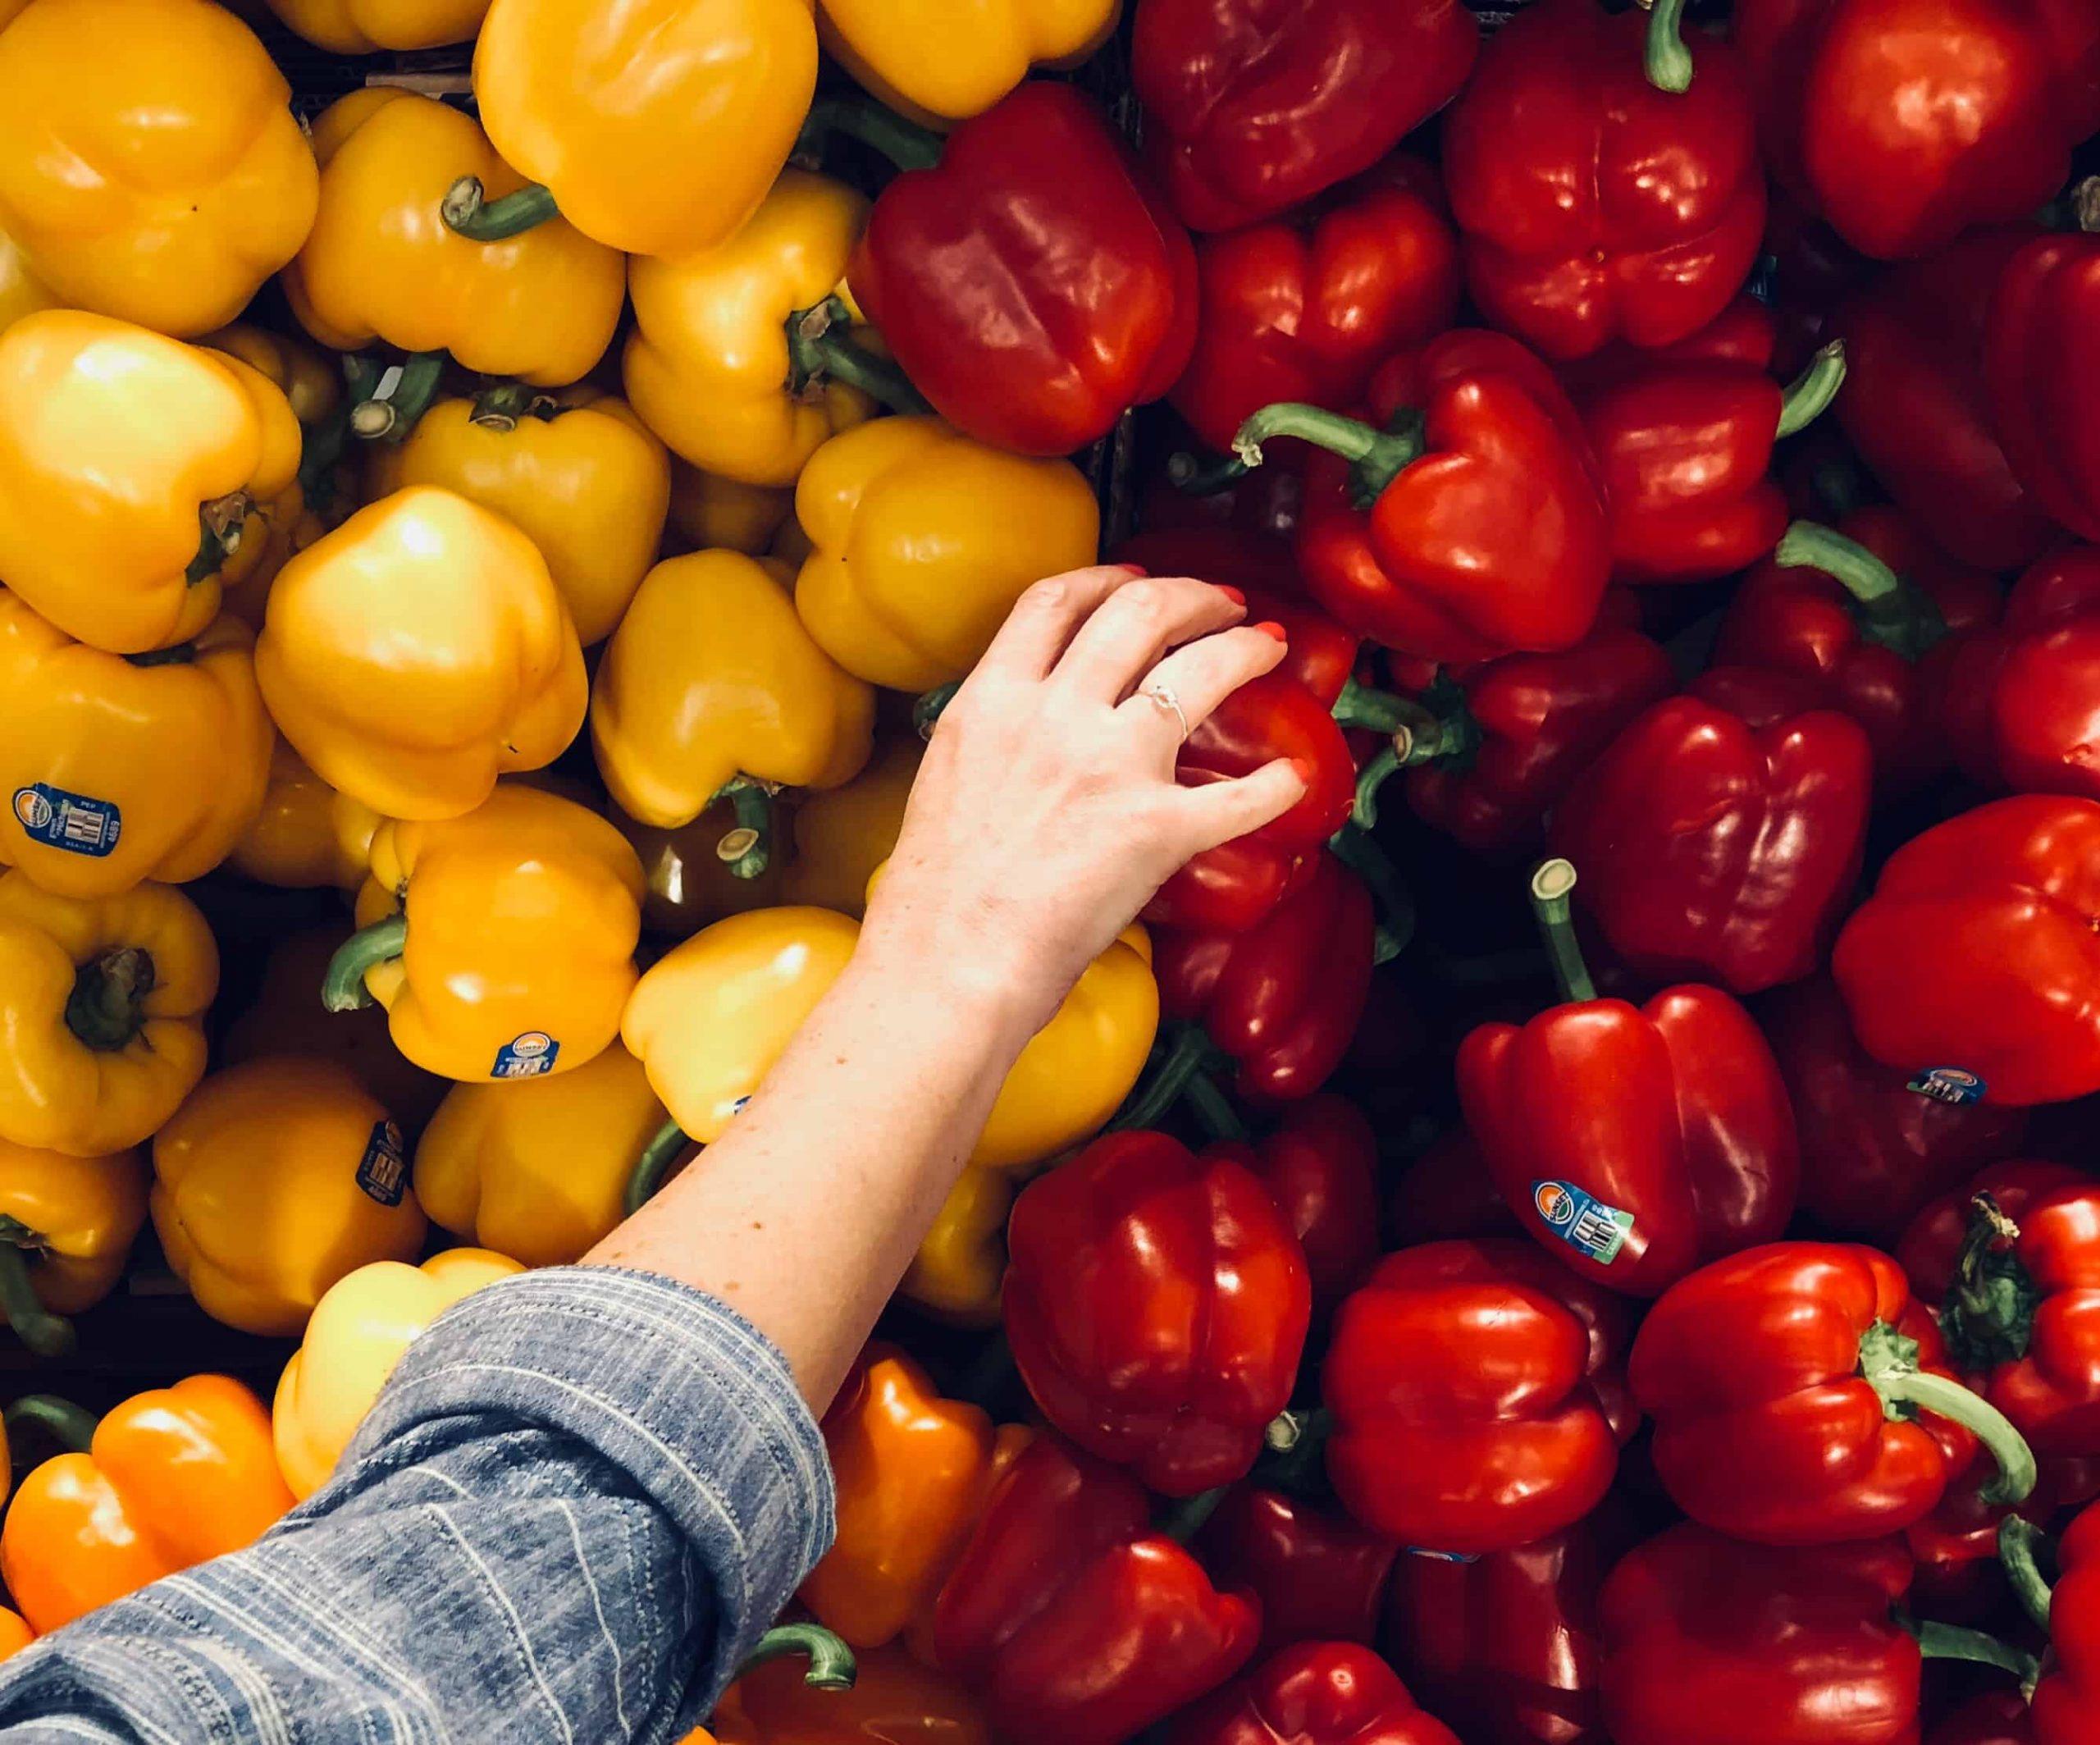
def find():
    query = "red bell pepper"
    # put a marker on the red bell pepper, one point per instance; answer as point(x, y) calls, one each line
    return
point(1842, 609)
point(1466, 521)
point(1906, 122)
point(1633, 1143)
point(2042, 367)
point(1475, 1397)
point(1032, 284)
point(1955, 1548)
point(1594, 206)
point(2066, 1704)
point(1715, 849)
point(1975, 964)
point(1316, 1693)
point(1156, 1304)
point(1321, 1167)
point(1253, 107)
point(1873, 1149)
point(1801, 1397)
point(1078, 1622)
point(1305, 307)
point(1447, 1192)
point(1319, 1577)
point(1916, 408)
point(1994, 1718)
point(1265, 504)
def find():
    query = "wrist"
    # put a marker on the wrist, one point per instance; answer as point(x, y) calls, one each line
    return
point(956, 972)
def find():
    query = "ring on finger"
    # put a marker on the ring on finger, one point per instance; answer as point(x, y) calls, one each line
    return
point(1162, 695)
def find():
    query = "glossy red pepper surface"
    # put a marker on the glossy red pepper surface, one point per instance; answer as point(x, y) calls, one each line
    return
point(2021, 700)
point(1316, 1693)
point(1320, 1165)
point(1318, 1575)
point(2067, 1708)
point(2041, 361)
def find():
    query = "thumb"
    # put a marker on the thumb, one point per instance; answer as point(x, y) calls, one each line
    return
point(1217, 811)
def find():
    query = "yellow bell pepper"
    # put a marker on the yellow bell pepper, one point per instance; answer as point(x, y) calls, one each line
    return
point(656, 127)
point(306, 836)
point(66, 1230)
point(939, 62)
point(21, 291)
point(152, 168)
point(132, 467)
point(275, 1179)
point(791, 545)
point(123, 767)
point(688, 884)
point(101, 1014)
point(578, 471)
point(418, 651)
point(307, 376)
point(712, 688)
point(961, 1261)
point(501, 943)
point(718, 363)
point(708, 511)
point(368, 26)
point(379, 264)
point(844, 834)
point(358, 1331)
point(924, 539)
point(539, 1170)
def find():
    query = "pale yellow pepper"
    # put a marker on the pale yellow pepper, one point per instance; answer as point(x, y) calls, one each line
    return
point(368, 26)
point(709, 512)
point(943, 61)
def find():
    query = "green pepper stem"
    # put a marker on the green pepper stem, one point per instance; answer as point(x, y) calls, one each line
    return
point(1369, 780)
point(1947, 1642)
point(1888, 1362)
point(1296, 1443)
point(1358, 850)
point(1378, 456)
point(503, 406)
point(342, 988)
point(1890, 612)
point(1808, 395)
point(2020, 1543)
point(221, 524)
point(1213, 1109)
point(71, 1426)
point(832, 1665)
point(746, 847)
point(1668, 62)
point(468, 211)
point(1194, 476)
point(1185, 1520)
point(662, 1150)
point(181, 654)
point(820, 348)
point(1189, 1053)
point(905, 144)
point(105, 1009)
point(1380, 711)
point(929, 705)
point(45, 1334)
point(1551, 887)
point(390, 409)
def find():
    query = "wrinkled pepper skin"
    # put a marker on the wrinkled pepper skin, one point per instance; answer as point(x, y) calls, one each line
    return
point(611, 110)
point(942, 66)
point(130, 462)
point(1256, 106)
point(924, 539)
point(894, 1699)
point(711, 675)
point(305, 836)
point(1321, 1167)
point(1906, 122)
point(1032, 284)
point(2039, 364)
point(537, 1169)
point(522, 921)
point(2018, 699)
point(66, 1230)
point(1977, 952)
point(1473, 1396)
point(1767, 1428)
point(103, 1004)
point(1674, 1114)
point(1707, 1642)
point(1307, 306)
point(1156, 1304)
point(173, 1477)
point(274, 1179)
point(1077, 1623)
point(172, 757)
point(1710, 848)
point(419, 652)
point(1315, 1693)
point(367, 26)
point(2064, 1702)
point(358, 1331)
point(1594, 207)
point(111, 218)
point(1319, 1577)
point(709, 364)
point(1873, 1150)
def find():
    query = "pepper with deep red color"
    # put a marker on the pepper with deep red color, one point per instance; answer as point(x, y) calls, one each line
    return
point(1975, 964)
point(1253, 107)
point(2043, 369)
point(1315, 1693)
point(1465, 520)
point(1633, 1144)
point(1320, 1165)
point(1032, 284)
point(1318, 1575)
point(1078, 1622)
point(1156, 1304)
point(2066, 1703)
point(1593, 205)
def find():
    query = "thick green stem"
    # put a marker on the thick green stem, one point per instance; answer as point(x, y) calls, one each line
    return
point(468, 211)
point(1369, 780)
point(927, 707)
point(1667, 60)
point(1890, 611)
point(504, 406)
point(1380, 711)
point(1809, 395)
point(832, 1666)
point(1185, 1520)
point(342, 988)
point(1297, 1445)
point(45, 1333)
point(655, 1157)
point(1947, 1642)
point(1989, 1312)
point(71, 1426)
point(1358, 850)
point(821, 349)
point(1188, 1053)
point(746, 848)
point(2020, 1543)
point(905, 143)
point(1421, 735)
point(1552, 885)
point(1889, 1361)
point(107, 1007)
point(400, 396)
point(221, 524)
point(1194, 476)
point(1213, 1109)
point(1377, 457)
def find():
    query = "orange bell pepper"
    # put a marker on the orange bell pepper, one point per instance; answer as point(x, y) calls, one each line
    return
point(15, 1633)
point(894, 1700)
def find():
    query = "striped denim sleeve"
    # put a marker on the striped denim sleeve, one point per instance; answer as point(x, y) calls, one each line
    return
point(581, 1498)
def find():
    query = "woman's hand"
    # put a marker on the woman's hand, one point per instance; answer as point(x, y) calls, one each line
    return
point(1046, 812)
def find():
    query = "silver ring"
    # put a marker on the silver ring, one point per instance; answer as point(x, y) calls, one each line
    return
point(1163, 694)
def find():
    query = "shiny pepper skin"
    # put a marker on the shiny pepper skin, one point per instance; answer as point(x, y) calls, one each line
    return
point(419, 652)
point(21, 291)
point(131, 466)
point(938, 64)
point(112, 215)
point(2038, 362)
point(305, 835)
point(367, 26)
point(1315, 1693)
point(2064, 1702)
point(1319, 1576)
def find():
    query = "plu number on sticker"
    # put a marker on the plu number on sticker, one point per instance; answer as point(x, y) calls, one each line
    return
point(1582, 1221)
point(1949, 1084)
point(76, 822)
point(526, 1057)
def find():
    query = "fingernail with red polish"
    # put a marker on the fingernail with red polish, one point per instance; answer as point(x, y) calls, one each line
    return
point(1131, 569)
point(1270, 627)
point(1306, 772)
point(1233, 594)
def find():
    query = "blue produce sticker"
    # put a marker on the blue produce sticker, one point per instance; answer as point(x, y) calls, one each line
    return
point(1584, 1222)
point(78, 823)
point(1949, 1084)
point(526, 1057)
point(1423, 1551)
point(383, 1169)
